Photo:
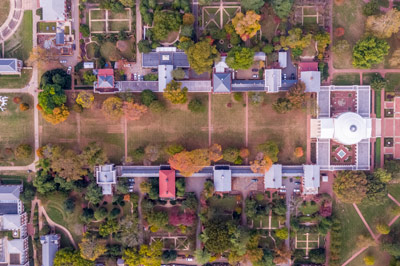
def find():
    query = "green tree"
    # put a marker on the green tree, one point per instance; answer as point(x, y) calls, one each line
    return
point(202, 256)
point(93, 194)
point(270, 149)
point(164, 23)
point(217, 236)
point(158, 219)
point(383, 175)
point(128, 3)
point(282, 233)
point(89, 78)
point(23, 151)
point(350, 186)
point(231, 154)
point(173, 149)
point(144, 46)
point(317, 256)
point(282, 8)
point(378, 82)
point(268, 48)
point(146, 255)
point(100, 214)
point(108, 228)
point(282, 105)
point(70, 257)
point(91, 248)
point(252, 4)
point(371, 8)
point(93, 155)
point(266, 260)
point(240, 58)
point(85, 98)
point(201, 56)
point(196, 106)
point(169, 255)
point(147, 97)
point(175, 93)
point(69, 205)
point(178, 74)
point(50, 97)
point(180, 187)
point(369, 51)
point(44, 182)
point(84, 29)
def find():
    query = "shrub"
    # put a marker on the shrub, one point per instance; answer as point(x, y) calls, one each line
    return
point(84, 29)
point(147, 97)
point(238, 96)
point(196, 106)
point(244, 153)
point(173, 149)
point(114, 213)
point(371, 8)
point(268, 49)
point(369, 260)
point(17, 100)
point(383, 229)
point(169, 255)
point(151, 77)
point(178, 74)
point(256, 98)
point(138, 154)
point(23, 151)
point(282, 233)
point(77, 108)
point(231, 154)
point(157, 106)
point(24, 107)
point(100, 214)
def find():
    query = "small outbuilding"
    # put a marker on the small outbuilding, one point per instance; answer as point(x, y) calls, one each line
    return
point(167, 184)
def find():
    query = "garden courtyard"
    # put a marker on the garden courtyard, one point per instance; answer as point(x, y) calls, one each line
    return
point(225, 125)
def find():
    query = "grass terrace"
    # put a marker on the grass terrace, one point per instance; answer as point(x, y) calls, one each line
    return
point(46, 27)
point(346, 79)
point(393, 81)
point(16, 82)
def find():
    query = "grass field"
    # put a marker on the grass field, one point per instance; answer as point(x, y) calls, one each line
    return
point(268, 24)
point(92, 50)
point(346, 79)
point(46, 27)
point(16, 128)
point(16, 82)
point(349, 16)
point(394, 190)
point(98, 26)
point(381, 258)
point(378, 104)
point(352, 227)
point(97, 14)
point(288, 130)
point(20, 45)
point(122, 15)
point(53, 204)
point(228, 122)
point(118, 25)
point(393, 81)
point(109, 51)
point(366, 77)
point(4, 10)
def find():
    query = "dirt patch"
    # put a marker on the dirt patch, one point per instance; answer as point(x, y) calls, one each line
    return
point(122, 46)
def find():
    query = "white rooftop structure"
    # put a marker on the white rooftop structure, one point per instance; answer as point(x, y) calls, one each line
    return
point(312, 80)
point(164, 76)
point(88, 65)
point(311, 179)
point(222, 179)
point(273, 79)
point(50, 245)
point(260, 56)
point(221, 65)
point(282, 59)
point(106, 176)
point(273, 177)
point(53, 10)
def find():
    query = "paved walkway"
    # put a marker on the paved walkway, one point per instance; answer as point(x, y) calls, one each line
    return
point(247, 119)
point(209, 119)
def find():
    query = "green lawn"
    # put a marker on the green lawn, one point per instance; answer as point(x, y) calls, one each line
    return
point(349, 16)
point(118, 25)
point(288, 130)
point(378, 152)
point(375, 214)
point(20, 45)
point(98, 26)
point(97, 14)
point(4, 11)
point(46, 27)
point(346, 79)
point(268, 23)
point(122, 15)
point(393, 81)
point(352, 227)
point(109, 51)
point(16, 82)
point(367, 78)
point(308, 209)
point(228, 121)
point(53, 204)
point(381, 258)
point(16, 128)
point(174, 125)
point(227, 203)
point(394, 190)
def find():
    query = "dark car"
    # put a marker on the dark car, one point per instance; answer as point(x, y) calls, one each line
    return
point(293, 76)
point(154, 70)
point(254, 70)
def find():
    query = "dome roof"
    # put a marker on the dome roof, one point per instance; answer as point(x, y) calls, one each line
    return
point(351, 128)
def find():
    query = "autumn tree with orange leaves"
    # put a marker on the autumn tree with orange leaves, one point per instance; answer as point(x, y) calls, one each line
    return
point(297, 95)
point(282, 255)
point(190, 162)
point(298, 152)
point(134, 111)
point(246, 26)
point(261, 165)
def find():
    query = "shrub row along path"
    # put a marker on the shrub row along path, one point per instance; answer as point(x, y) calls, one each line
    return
point(375, 237)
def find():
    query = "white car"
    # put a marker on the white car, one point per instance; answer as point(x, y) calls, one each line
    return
point(63, 61)
point(69, 70)
point(282, 190)
point(296, 190)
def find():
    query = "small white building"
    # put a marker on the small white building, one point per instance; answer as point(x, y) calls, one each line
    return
point(222, 178)
point(273, 79)
point(53, 10)
point(311, 179)
point(10, 66)
point(273, 177)
point(106, 177)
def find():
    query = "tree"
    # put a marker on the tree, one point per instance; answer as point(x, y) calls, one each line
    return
point(282, 233)
point(268, 48)
point(369, 51)
point(244, 153)
point(110, 227)
point(66, 164)
point(296, 39)
point(202, 256)
point(369, 260)
point(113, 107)
point(50, 97)
point(152, 152)
point(383, 229)
point(173, 149)
point(151, 77)
point(196, 106)
point(85, 99)
point(164, 23)
point(147, 97)
point(87, 215)
point(371, 8)
point(145, 187)
point(180, 187)
point(385, 25)
point(231, 154)
point(57, 115)
point(93, 155)
point(350, 186)
point(297, 95)
point(215, 153)
point(317, 256)
point(146, 255)
point(240, 58)
point(85, 30)
point(23, 151)
point(169, 255)
point(282, 8)
point(144, 46)
point(188, 19)
point(270, 149)
point(383, 175)
point(157, 219)
point(44, 182)
point(175, 93)
point(24, 107)
point(89, 78)
point(91, 248)
point(378, 82)
point(282, 106)
point(189, 162)
point(246, 26)
point(323, 39)
point(157, 107)
point(298, 152)
point(178, 74)
point(261, 166)
point(70, 257)
point(134, 111)
point(69, 205)
point(201, 56)
point(100, 214)
point(93, 194)
point(252, 4)
point(129, 231)
point(216, 235)
point(282, 255)
point(128, 3)
point(266, 260)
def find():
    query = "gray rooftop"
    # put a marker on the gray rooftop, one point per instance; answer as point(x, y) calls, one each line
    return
point(222, 179)
point(60, 38)
point(9, 192)
point(153, 59)
point(273, 177)
point(363, 155)
point(50, 245)
point(222, 82)
point(53, 10)
point(324, 103)
point(105, 82)
point(363, 98)
point(8, 65)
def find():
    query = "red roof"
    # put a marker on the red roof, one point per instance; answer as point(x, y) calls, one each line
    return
point(106, 72)
point(167, 183)
point(308, 66)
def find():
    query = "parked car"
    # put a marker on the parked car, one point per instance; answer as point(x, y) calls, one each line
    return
point(74, 46)
point(255, 76)
point(283, 186)
point(189, 258)
point(69, 70)
point(284, 76)
point(254, 70)
point(297, 183)
point(135, 76)
point(282, 190)
point(154, 70)
point(63, 61)
point(296, 190)
point(131, 180)
point(292, 76)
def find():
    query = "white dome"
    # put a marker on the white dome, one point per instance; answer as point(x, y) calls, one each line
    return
point(351, 128)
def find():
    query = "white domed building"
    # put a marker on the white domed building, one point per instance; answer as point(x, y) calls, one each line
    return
point(343, 128)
